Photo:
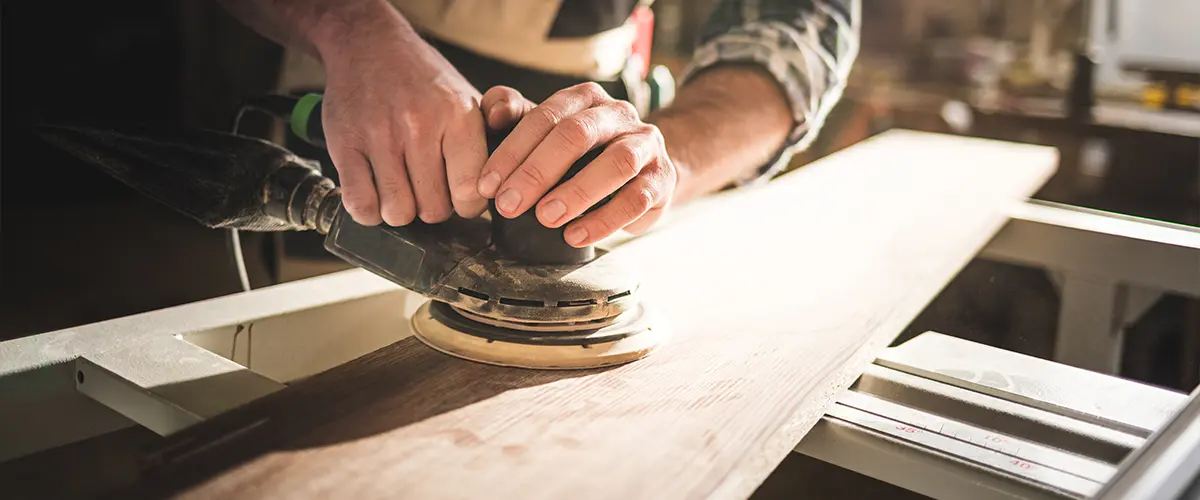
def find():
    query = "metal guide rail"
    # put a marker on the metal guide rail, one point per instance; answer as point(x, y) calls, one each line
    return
point(949, 418)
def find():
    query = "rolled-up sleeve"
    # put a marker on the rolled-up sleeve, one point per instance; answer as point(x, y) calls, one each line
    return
point(808, 46)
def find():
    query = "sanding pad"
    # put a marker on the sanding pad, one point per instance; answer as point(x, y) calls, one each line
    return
point(628, 338)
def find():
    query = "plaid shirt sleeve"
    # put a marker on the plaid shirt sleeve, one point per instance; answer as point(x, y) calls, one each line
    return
point(807, 45)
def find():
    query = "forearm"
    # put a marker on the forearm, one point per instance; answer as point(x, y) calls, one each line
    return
point(762, 80)
point(722, 125)
point(316, 27)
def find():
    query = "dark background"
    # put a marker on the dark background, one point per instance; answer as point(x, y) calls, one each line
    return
point(75, 245)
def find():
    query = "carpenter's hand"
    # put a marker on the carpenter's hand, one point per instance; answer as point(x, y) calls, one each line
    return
point(403, 129)
point(551, 136)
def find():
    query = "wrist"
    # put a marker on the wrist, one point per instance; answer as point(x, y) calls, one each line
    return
point(723, 125)
point(674, 130)
point(336, 31)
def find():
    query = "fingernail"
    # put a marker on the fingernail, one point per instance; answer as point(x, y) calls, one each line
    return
point(552, 211)
point(488, 184)
point(508, 201)
point(575, 235)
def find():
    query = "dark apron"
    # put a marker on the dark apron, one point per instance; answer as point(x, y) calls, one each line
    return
point(485, 73)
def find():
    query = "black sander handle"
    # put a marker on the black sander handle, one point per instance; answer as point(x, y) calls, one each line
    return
point(524, 238)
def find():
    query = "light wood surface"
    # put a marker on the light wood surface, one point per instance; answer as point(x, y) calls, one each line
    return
point(777, 298)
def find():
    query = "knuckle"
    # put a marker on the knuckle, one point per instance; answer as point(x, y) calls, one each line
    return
point(464, 196)
point(662, 177)
point(590, 89)
point(606, 225)
point(343, 156)
point(639, 201)
point(345, 140)
point(626, 160)
point(417, 133)
point(505, 160)
point(499, 92)
point(493, 94)
point(462, 183)
point(576, 132)
point(387, 184)
point(531, 174)
point(546, 115)
point(461, 105)
point(502, 102)
point(381, 133)
point(458, 111)
point(626, 108)
point(577, 195)
point(653, 132)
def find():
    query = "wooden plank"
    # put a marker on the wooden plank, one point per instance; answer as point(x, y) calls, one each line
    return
point(777, 297)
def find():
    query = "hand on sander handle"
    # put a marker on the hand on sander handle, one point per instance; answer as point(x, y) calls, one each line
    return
point(571, 156)
point(545, 164)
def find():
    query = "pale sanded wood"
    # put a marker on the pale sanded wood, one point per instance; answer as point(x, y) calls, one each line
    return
point(777, 298)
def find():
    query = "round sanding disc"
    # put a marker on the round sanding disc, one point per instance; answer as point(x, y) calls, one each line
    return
point(429, 327)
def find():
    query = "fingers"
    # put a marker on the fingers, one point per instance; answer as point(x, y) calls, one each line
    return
point(427, 172)
point(647, 191)
point(358, 189)
point(533, 129)
point(670, 179)
point(570, 140)
point(396, 203)
point(504, 106)
point(620, 162)
point(465, 150)
point(409, 139)
point(647, 221)
point(418, 168)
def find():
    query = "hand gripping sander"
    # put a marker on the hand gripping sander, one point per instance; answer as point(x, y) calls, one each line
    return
point(507, 292)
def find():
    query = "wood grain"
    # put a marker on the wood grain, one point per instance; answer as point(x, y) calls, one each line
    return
point(777, 298)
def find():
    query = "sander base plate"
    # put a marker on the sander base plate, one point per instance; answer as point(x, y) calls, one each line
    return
point(636, 338)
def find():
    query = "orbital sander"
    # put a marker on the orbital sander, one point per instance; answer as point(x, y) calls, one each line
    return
point(508, 292)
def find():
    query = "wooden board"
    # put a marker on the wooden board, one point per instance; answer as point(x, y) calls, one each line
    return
point(777, 298)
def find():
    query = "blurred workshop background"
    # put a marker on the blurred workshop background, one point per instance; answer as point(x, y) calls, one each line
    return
point(1113, 84)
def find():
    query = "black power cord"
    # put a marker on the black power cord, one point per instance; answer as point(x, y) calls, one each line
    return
point(276, 106)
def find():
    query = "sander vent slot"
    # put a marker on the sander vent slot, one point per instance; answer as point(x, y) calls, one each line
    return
point(472, 293)
point(626, 293)
point(521, 302)
point(575, 303)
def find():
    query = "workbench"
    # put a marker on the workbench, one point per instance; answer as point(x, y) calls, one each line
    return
point(779, 297)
